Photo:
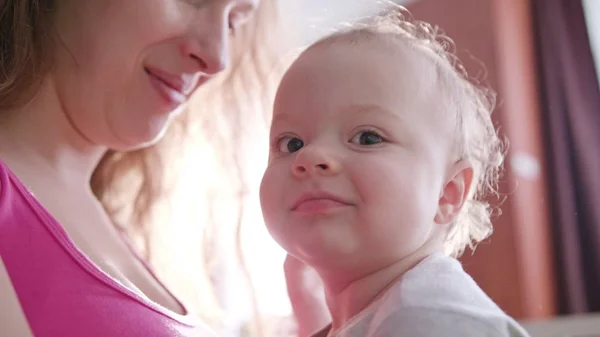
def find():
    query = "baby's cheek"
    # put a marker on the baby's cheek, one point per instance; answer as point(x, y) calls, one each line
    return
point(268, 189)
point(379, 185)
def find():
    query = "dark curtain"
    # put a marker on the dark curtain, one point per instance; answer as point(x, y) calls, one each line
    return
point(571, 109)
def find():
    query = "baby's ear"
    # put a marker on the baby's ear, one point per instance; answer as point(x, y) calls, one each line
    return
point(454, 192)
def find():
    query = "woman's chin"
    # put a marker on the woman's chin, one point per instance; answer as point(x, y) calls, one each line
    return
point(144, 138)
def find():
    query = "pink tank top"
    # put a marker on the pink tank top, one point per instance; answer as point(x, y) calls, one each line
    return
point(61, 291)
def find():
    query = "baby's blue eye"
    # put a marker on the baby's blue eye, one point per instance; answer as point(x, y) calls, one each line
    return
point(290, 144)
point(367, 138)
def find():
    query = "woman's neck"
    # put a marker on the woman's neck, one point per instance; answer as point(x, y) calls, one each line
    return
point(40, 139)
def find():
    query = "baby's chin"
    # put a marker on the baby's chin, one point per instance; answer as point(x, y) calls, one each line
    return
point(336, 258)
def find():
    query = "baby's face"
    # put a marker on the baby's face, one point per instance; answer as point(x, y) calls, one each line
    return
point(359, 157)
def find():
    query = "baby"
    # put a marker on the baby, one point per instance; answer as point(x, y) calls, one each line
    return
point(381, 150)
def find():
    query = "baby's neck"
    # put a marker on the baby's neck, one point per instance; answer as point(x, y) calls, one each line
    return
point(346, 300)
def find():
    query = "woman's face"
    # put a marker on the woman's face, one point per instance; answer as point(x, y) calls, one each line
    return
point(125, 67)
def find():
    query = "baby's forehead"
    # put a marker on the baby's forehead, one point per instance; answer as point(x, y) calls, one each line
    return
point(361, 79)
point(399, 47)
point(389, 57)
point(369, 72)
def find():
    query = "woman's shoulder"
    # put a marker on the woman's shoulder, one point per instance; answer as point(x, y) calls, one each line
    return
point(12, 317)
point(4, 176)
point(12, 196)
point(3, 184)
point(4, 181)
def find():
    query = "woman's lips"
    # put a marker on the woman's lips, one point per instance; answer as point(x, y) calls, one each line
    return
point(167, 88)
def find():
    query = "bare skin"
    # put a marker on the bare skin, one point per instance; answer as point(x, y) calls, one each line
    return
point(371, 183)
point(91, 102)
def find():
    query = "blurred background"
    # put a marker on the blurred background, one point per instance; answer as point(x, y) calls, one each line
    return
point(542, 262)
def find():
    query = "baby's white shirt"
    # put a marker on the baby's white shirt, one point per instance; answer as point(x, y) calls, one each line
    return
point(436, 298)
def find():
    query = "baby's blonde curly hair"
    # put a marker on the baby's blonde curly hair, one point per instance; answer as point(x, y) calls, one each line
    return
point(471, 103)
